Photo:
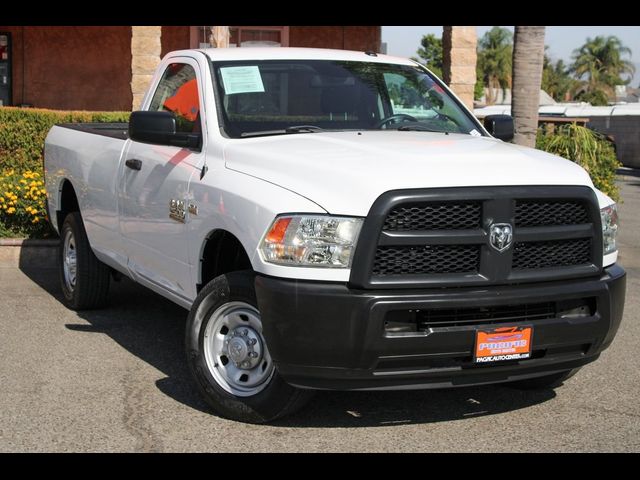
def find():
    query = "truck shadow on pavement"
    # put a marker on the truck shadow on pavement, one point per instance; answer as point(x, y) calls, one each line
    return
point(152, 328)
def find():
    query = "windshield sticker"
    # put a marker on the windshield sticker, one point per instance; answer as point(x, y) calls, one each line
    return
point(475, 133)
point(241, 80)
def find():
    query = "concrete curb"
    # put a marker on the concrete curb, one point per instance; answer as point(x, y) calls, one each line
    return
point(28, 253)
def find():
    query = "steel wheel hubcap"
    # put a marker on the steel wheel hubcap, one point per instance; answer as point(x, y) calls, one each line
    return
point(69, 260)
point(235, 350)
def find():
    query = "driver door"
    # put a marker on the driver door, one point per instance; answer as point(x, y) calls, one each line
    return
point(154, 198)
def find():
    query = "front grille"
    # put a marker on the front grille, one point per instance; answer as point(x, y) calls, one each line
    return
point(408, 321)
point(399, 321)
point(560, 253)
point(482, 315)
point(428, 259)
point(442, 237)
point(434, 216)
point(541, 213)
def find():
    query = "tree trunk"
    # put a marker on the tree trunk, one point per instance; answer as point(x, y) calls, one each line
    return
point(528, 55)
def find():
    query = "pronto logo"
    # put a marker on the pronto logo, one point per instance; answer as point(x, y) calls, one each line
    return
point(505, 343)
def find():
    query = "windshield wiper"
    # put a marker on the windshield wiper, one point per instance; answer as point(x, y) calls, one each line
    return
point(293, 129)
point(417, 128)
point(303, 129)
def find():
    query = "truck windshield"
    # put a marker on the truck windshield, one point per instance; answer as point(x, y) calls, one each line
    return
point(306, 96)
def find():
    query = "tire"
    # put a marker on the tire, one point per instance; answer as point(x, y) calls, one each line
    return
point(548, 381)
point(84, 278)
point(228, 356)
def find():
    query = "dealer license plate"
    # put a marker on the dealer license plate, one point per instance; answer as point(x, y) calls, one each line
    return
point(503, 344)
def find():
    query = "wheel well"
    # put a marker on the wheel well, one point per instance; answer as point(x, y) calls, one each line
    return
point(222, 253)
point(68, 203)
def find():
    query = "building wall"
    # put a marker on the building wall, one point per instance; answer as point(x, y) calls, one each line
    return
point(174, 38)
point(80, 68)
point(360, 38)
point(347, 38)
point(624, 130)
point(89, 68)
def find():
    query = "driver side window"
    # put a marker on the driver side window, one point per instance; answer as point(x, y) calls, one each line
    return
point(409, 98)
point(177, 92)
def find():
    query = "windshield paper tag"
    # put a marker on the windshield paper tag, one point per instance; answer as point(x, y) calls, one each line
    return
point(241, 80)
point(475, 133)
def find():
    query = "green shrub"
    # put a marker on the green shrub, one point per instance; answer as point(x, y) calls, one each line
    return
point(22, 134)
point(589, 149)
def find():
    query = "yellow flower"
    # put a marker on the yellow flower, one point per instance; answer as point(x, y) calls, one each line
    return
point(11, 202)
point(35, 220)
point(22, 180)
point(11, 210)
point(43, 191)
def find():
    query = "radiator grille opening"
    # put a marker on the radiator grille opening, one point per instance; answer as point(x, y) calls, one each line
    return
point(434, 216)
point(429, 259)
point(557, 213)
point(560, 253)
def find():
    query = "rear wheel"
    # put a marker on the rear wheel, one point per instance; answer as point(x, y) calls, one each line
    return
point(548, 381)
point(84, 278)
point(228, 355)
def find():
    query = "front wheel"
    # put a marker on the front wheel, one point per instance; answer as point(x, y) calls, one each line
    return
point(228, 355)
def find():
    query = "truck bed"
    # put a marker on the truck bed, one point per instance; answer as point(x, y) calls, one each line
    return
point(113, 130)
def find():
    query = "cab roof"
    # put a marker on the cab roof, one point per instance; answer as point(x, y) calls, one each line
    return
point(294, 53)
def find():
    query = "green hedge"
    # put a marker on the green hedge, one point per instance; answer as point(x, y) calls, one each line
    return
point(589, 149)
point(22, 134)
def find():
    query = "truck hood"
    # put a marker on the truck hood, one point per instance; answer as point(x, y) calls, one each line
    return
point(344, 172)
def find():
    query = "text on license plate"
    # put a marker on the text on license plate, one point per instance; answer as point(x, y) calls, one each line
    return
point(501, 344)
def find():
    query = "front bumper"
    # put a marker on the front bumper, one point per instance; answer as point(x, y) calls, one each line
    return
point(328, 336)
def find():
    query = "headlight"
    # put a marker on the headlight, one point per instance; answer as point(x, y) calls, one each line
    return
point(609, 217)
point(311, 241)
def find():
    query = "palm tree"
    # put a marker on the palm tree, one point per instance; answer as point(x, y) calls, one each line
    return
point(600, 62)
point(556, 79)
point(528, 56)
point(495, 50)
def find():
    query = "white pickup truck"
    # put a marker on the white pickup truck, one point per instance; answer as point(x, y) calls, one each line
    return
point(336, 220)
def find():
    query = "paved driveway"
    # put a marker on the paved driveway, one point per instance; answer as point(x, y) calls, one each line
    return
point(116, 380)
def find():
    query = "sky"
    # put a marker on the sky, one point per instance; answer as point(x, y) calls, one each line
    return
point(404, 41)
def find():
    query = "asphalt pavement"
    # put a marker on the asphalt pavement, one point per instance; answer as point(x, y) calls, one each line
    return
point(115, 380)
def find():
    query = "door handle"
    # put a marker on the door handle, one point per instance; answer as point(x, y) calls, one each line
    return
point(134, 164)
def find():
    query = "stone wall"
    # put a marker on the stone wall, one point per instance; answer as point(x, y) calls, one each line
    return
point(145, 57)
point(459, 61)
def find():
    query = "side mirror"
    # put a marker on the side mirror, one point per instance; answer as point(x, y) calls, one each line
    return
point(500, 126)
point(159, 128)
